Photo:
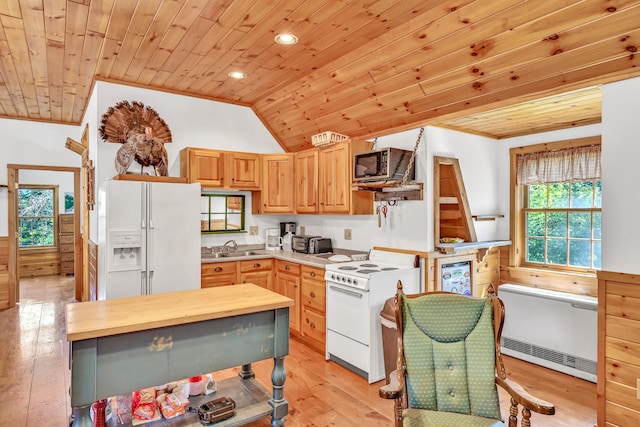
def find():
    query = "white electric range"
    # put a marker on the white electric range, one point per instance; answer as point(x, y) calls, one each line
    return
point(356, 292)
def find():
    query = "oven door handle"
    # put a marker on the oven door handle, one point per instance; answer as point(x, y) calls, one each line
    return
point(346, 291)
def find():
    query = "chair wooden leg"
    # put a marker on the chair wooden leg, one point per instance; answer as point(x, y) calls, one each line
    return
point(397, 411)
point(526, 415)
point(513, 413)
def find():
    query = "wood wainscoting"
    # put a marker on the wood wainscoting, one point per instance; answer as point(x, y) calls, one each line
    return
point(4, 272)
point(39, 262)
point(618, 349)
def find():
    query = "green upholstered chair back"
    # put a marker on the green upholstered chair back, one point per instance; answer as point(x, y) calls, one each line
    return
point(449, 353)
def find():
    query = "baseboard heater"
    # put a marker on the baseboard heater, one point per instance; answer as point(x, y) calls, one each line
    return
point(553, 329)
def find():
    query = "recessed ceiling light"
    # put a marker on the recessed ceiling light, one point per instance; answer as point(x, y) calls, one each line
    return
point(237, 75)
point(286, 39)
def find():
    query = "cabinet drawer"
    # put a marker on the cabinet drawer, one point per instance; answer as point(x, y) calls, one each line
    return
point(66, 266)
point(313, 325)
point(66, 256)
point(218, 268)
point(256, 265)
point(288, 267)
point(66, 248)
point(313, 273)
point(66, 219)
point(225, 279)
point(313, 295)
point(66, 228)
point(66, 239)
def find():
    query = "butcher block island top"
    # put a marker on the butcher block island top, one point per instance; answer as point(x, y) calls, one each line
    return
point(94, 319)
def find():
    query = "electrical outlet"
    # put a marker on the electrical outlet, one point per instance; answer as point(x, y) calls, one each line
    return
point(253, 230)
point(302, 230)
point(347, 234)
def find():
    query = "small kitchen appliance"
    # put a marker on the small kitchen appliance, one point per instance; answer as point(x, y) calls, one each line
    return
point(383, 164)
point(287, 227)
point(320, 245)
point(274, 240)
point(356, 292)
point(301, 243)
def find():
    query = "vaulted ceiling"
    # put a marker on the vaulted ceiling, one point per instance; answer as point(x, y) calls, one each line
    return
point(361, 68)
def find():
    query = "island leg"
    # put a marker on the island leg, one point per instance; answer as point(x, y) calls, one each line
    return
point(246, 372)
point(278, 402)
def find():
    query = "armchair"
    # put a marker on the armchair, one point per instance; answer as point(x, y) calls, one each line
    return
point(449, 363)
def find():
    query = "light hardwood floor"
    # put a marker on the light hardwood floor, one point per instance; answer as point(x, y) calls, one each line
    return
point(34, 376)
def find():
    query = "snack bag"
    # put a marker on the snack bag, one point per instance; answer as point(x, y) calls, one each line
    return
point(143, 405)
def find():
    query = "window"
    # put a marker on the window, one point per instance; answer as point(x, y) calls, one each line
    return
point(222, 213)
point(562, 224)
point(37, 211)
point(557, 204)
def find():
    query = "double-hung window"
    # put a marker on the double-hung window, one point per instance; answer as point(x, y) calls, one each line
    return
point(558, 208)
point(37, 213)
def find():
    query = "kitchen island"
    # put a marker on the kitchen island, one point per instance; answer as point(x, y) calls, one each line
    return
point(125, 344)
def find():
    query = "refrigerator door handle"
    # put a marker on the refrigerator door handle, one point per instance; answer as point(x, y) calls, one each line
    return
point(143, 279)
point(143, 206)
point(149, 205)
point(150, 289)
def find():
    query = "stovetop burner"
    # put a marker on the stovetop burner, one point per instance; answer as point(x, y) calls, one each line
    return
point(347, 267)
point(368, 265)
point(365, 271)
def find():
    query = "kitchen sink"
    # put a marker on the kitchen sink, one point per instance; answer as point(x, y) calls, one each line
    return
point(238, 254)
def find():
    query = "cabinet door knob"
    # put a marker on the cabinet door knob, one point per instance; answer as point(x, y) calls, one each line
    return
point(313, 325)
point(256, 265)
point(218, 269)
point(313, 274)
point(287, 267)
point(312, 294)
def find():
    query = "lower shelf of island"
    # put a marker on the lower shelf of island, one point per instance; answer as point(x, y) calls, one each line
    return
point(250, 396)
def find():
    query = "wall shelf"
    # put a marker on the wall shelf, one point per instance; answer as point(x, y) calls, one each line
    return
point(387, 191)
point(490, 217)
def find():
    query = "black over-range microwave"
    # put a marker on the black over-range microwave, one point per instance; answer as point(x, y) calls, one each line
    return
point(383, 164)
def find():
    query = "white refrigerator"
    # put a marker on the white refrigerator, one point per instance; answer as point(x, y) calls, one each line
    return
point(148, 238)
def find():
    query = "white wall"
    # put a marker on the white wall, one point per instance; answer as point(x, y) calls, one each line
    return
point(32, 143)
point(620, 171)
point(409, 225)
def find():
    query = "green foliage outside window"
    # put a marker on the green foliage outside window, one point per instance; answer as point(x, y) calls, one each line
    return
point(563, 224)
point(36, 217)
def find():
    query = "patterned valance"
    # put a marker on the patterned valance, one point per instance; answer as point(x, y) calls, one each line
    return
point(571, 164)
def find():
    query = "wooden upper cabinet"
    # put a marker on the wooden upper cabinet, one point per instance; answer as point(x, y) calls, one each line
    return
point(276, 195)
point(306, 181)
point(335, 178)
point(221, 169)
point(203, 166)
point(244, 170)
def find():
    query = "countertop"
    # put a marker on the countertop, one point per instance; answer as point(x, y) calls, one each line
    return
point(316, 260)
point(93, 319)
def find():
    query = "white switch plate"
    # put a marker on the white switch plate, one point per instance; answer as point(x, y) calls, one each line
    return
point(302, 230)
point(347, 234)
point(253, 230)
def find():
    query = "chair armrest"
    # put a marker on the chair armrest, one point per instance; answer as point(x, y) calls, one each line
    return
point(520, 395)
point(395, 388)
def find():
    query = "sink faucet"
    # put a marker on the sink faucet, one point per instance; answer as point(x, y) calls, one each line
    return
point(228, 245)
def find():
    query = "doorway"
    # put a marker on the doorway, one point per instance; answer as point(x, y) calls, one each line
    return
point(13, 172)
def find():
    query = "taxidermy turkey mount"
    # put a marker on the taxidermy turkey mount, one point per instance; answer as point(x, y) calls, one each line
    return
point(142, 133)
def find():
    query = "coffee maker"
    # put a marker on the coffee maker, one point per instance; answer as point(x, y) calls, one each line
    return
point(274, 241)
point(286, 227)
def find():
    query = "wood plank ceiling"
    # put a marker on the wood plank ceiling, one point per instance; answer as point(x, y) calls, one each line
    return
point(362, 68)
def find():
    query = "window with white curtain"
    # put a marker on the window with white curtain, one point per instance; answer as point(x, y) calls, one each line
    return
point(559, 208)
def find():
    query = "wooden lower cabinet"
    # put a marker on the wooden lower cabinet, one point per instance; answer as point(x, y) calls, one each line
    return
point(304, 284)
point(314, 307)
point(259, 272)
point(218, 274)
point(287, 283)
